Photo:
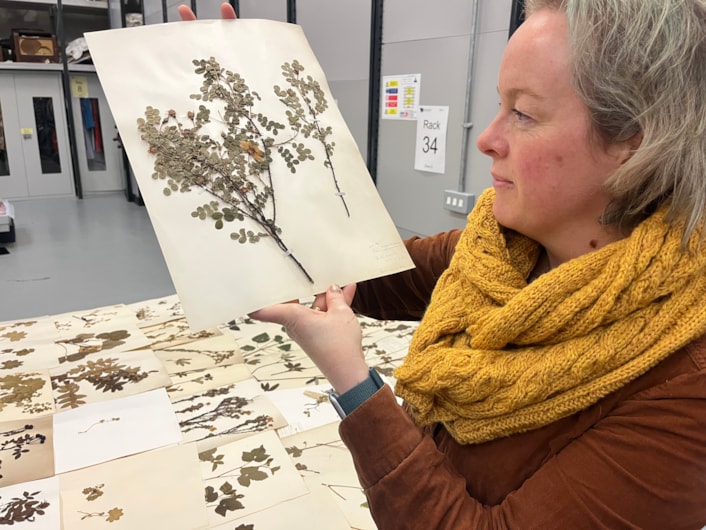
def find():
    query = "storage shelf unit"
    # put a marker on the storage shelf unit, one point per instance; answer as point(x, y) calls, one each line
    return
point(91, 160)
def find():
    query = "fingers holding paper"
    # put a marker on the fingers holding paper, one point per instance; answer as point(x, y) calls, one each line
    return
point(227, 12)
point(331, 335)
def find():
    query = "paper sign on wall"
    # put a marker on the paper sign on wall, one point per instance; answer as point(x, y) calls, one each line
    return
point(401, 96)
point(430, 153)
point(79, 86)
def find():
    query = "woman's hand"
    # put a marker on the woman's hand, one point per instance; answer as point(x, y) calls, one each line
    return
point(328, 332)
point(227, 12)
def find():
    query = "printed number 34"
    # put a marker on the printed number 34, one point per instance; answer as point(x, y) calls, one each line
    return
point(429, 144)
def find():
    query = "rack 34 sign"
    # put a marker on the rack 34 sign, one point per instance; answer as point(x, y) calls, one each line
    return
point(430, 153)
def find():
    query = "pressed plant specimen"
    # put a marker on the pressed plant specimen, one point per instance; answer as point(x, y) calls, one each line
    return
point(235, 169)
point(19, 440)
point(94, 492)
point(21, 390)
point(107, 375)
point(217, 356)
point(276, 351)
point(15, 336)
point(231, 407)
point(88, 343)
point(99, 422)
point(21, 509)
point(306, 101)
point(256, 466)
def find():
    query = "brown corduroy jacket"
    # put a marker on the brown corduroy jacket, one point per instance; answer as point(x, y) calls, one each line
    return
point(635, 460)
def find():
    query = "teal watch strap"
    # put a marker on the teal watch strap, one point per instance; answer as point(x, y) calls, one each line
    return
point(353, 398)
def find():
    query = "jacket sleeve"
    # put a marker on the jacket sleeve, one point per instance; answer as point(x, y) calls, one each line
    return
point(643, 466)
point(405, 295)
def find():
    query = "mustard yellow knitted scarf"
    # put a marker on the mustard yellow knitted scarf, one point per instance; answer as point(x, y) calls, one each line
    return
point(495, 356)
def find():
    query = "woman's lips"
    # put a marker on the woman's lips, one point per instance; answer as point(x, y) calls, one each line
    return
point(499, 182)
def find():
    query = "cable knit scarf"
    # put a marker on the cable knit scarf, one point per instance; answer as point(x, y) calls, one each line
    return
point(495, 356)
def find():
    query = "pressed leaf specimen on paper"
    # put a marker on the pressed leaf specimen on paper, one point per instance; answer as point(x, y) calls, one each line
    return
point(102, 421)
point(158, 310)
point(84, 344)
point(27, 507)
point(304, 408)
point(105, 378)
point(247, 475)
point(324, 462)
point(221, 350)
point(386, 342)
point(95, 492)
point(26, 450)
point(174, 332)
point(19, 442)
point(27, 345)
point(15, 331)
point(153, 490)
point(86, 319)
point(194, 381)
point(23, 395)
point(233, 410)
point(102, 431)
point(235, 170)
point(274, 359)
point(257, 465)
point(32, 504)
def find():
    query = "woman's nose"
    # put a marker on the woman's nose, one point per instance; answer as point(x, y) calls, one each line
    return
point(492, 140)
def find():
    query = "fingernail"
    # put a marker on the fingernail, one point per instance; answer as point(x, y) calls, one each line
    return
point(335, 288)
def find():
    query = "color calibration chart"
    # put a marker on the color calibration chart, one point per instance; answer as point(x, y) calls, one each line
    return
point(401, 96)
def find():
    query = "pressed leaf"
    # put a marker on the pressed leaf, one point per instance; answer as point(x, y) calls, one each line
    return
point(228, 505)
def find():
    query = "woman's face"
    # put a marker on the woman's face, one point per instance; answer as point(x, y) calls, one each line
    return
point(547, 172)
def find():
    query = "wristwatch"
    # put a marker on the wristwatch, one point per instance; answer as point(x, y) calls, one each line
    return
point(350, 400)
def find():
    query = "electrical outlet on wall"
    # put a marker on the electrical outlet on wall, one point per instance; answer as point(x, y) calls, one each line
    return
point(459, 201)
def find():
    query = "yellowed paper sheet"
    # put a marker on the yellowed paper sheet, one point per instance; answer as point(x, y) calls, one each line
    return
point(195, 381)
point(147, 491)
point(247, 476)
point(25, 395)
point(323, 461)
point(32, 505)
point(221, 415)
point(221, 350)
point(315, 510)
point(261, 194)
point(27, 450)
point(105, 377)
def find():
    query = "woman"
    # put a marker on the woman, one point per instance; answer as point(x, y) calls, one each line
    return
point(558, 376)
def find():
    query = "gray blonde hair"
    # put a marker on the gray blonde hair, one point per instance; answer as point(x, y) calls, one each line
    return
point(640, 67)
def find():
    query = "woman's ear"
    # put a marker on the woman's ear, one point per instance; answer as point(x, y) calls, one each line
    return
point(623, 151)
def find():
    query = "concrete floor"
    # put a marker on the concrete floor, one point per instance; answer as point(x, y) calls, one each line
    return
point(74, 254)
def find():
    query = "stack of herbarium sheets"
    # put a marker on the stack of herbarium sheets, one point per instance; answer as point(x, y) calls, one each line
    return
point(123, 415)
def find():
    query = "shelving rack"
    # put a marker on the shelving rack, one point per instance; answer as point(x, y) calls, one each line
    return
point(57, 11)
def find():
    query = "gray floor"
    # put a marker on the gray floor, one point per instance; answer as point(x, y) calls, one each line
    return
point(73, 254)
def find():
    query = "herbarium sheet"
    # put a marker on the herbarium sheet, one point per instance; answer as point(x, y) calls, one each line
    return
point(255, 187)
point(148, 491)
point(26, 450)
point(324, 463)
point(31, 505)
point(230, 412)
point(247, 476)
point(106, 430)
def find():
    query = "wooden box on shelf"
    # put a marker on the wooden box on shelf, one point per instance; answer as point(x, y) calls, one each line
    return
point(34, 46)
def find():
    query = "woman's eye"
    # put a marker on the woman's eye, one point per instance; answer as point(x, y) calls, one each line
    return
point(521, 116)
